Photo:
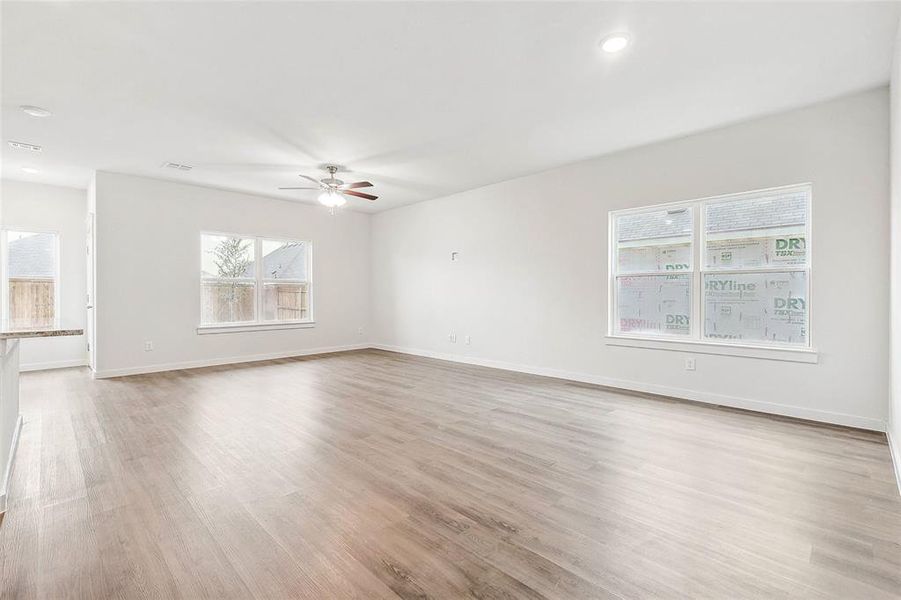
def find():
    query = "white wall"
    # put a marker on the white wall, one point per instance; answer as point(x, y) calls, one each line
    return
point(531, 283)
point(147, 275)
point(894, 429)
point(60, 209)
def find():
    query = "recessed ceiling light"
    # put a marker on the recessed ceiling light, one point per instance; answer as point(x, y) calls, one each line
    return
point(35, 111)
point(30, 170)
point(615, 42)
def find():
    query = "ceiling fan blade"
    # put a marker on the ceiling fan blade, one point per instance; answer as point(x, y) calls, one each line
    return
point(316, 181)
point(358, 194)
point(299, 188)
point(351, 186)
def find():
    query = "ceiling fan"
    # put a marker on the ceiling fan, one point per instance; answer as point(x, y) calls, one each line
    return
point(334, 190)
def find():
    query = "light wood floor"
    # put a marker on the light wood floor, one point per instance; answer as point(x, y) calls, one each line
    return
point(375, 475)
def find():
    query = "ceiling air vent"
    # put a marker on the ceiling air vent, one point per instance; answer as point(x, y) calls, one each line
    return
point(176, 166)
point(24, 146)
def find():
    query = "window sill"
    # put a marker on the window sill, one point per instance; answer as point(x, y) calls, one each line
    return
point(800, 355)
point(208, 329)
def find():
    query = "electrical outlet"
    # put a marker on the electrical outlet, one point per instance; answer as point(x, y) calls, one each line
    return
point(689, 364)
point(468, 340)
point(359, 331)
point(148, 346)
point(452, 338)
point(455, 256)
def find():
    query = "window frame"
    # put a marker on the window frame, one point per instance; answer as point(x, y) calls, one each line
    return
point(4, 280)
point(695, 340)
point(257, 324)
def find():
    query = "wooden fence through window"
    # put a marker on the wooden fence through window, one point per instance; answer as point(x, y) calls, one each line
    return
point(31, 302)
point(230, 303)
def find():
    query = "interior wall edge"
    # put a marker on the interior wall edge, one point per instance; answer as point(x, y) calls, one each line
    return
point(893, 428)
point(895, 451)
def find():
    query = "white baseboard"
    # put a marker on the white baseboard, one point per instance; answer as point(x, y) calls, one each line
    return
point(231, 360)
point(55, 364)
point(8, 470)
point(896, 455)
point(798, 412)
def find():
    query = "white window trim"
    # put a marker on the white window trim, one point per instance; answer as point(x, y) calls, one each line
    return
point(242, 327)
point(787, 354)
point(694, 341)
point(257, 324)
point(4, 280)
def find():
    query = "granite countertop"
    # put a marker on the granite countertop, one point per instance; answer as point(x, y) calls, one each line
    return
point(9, 334)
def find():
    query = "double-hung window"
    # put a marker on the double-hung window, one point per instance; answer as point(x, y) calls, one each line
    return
point(248, 281)
point(729, 270)
point(30, 279)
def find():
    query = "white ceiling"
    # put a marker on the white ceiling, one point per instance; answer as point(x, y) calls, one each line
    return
point(423, 99)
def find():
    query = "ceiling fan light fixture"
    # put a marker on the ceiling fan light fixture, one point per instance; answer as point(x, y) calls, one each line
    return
point(332, 199)
point(332, 191)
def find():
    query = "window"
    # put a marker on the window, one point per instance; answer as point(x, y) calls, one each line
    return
point(31, 279)
point(756, 267)
point(746, 282)
point(286, 287)
point(254, 281)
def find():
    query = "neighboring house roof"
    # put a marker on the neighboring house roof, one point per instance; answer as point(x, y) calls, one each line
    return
point(287, 262)
point(661, 223)
point(32, 256)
